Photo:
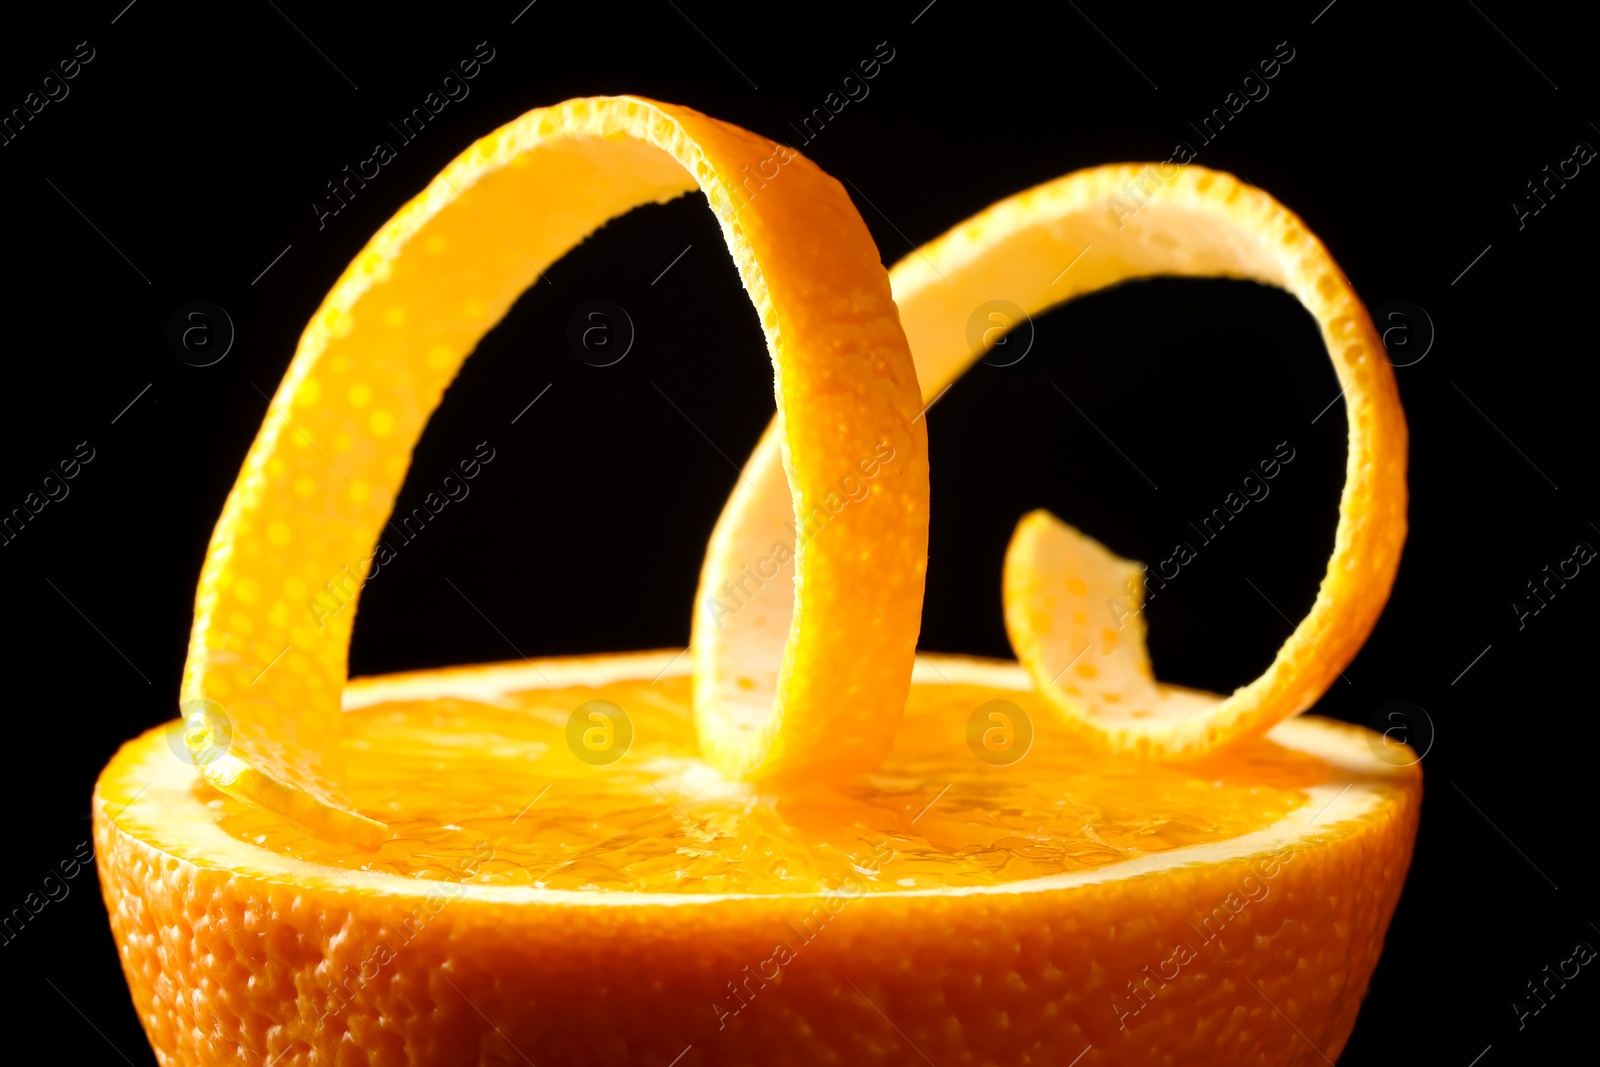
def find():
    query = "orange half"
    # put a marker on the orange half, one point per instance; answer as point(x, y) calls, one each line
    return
point(959, 905)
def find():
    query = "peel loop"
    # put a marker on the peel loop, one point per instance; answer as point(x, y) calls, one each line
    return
point(311, 509)
point(1074, 236)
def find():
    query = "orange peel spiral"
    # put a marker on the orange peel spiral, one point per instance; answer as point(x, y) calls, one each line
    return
point(834, 501)
point(1065, 239)
point(283, 571)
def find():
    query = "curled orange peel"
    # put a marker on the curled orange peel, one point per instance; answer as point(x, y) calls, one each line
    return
point(810, 597)
point(1073, 610)
point(268, 654)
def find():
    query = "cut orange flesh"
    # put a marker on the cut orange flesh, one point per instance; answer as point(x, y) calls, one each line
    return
point(1073, 236)
point(947, 908)
point(311, 508)
point(454, 774)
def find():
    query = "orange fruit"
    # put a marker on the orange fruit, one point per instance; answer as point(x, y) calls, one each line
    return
point(536, 907)
point(619, 859)
point(1072, 608)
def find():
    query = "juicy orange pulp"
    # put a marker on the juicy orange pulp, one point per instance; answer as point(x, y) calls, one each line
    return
point(490, 791)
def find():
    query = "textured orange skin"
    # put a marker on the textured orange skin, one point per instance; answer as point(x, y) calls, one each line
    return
point(1197, 223)
point(230, 967)
point(283, 571)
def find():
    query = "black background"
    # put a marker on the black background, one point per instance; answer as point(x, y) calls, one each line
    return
point(188, 153)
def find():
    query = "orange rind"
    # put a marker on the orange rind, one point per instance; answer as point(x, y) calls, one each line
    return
point(284, 569)
point(1073, 610)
